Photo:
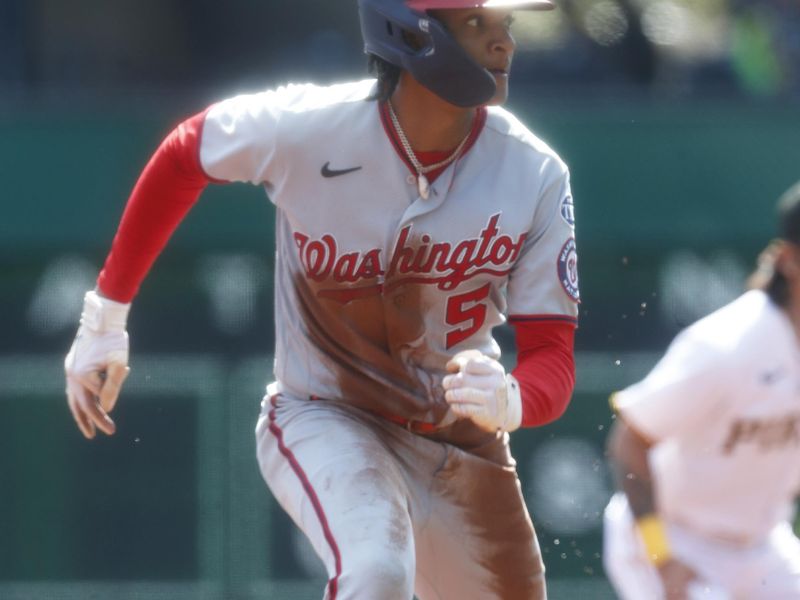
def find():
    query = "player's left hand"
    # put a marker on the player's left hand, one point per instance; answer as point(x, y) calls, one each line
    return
point(97, 364)
point(479, 388)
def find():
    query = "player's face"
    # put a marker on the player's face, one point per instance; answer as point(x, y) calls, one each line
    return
point(789, 265)
point(485, 34)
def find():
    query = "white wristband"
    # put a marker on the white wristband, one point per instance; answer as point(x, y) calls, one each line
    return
point(102, 315)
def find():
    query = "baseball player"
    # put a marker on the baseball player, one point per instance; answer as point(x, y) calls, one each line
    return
point(413, 216)
point(707, 449)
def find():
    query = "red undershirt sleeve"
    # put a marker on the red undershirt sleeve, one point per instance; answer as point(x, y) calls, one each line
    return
point(545, 369)
point(165, 192)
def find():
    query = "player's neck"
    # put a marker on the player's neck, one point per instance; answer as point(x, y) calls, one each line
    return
point(429, 122)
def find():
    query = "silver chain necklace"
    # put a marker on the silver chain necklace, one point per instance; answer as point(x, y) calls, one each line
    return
point(423, 185)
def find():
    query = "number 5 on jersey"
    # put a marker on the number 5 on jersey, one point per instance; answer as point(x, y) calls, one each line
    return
point(468, 311)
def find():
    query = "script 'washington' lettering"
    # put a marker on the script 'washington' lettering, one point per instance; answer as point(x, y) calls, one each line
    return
point(442, 263)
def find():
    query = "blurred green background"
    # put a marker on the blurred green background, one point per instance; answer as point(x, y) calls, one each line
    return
point(680, 137)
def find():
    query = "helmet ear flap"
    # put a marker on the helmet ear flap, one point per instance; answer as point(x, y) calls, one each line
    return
point(413, 41)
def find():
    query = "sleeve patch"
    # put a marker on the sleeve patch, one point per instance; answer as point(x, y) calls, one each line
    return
point(568, 270)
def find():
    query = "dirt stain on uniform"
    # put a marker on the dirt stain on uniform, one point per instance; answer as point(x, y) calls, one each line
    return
point(374, 345)
point(481, 484)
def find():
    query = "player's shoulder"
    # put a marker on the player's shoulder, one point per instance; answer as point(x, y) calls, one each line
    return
point(745, 328)
point(309, 97)
point(298, 98)
point(511, 130)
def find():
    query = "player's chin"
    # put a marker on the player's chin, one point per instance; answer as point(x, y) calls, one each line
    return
point(501, 93)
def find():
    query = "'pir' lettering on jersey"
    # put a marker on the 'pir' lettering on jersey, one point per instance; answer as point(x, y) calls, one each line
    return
point(413, 261)
point(767, 434)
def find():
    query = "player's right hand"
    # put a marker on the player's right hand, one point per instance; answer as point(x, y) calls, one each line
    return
point(97, 364)
point(478, 388)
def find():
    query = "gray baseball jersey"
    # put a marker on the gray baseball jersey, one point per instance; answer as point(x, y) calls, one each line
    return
point(376, 287)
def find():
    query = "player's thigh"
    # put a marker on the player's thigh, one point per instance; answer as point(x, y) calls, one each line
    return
point(479, 542)
point(336, 479)
point(781, 574)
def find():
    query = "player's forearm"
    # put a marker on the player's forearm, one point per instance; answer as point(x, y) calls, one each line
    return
point(165, 192)
point(628, 457)
point(545, 370)
point(546, 383)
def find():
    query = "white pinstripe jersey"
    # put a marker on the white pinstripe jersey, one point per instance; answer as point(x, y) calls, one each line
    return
point(376, 287)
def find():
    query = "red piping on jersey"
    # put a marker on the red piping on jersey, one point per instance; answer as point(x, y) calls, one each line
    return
point(429, 158)
point(539, 318)
point(333, 583)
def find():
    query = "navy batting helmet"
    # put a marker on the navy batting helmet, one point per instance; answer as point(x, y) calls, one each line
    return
point(440, 64)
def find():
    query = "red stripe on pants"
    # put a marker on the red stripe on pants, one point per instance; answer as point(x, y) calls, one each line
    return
point(312, 495)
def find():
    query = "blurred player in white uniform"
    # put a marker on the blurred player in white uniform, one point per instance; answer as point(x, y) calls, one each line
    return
point(706, 449)
point(413, 216)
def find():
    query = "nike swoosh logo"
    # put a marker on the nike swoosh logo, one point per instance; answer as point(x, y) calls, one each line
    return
point(328, 172)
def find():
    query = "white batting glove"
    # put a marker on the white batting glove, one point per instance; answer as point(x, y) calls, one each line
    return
point(480, 389)
point(97, 364)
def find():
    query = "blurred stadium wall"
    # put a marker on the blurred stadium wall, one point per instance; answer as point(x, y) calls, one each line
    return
point(672, 206)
